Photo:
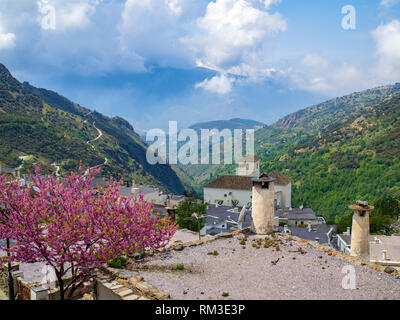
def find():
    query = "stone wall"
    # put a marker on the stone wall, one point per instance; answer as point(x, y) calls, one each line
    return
point(4, 276)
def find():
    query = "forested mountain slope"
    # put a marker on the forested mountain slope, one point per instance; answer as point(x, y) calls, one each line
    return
point(41, 123)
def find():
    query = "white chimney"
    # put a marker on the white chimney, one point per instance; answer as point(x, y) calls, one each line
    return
point(348, 231)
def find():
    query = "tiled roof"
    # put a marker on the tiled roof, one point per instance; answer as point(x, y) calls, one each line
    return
point(281, 179)
point(244, 183)
point(306, 214)
point(231, 182)
point(296, 214)
point(304, 234)
point(346, 238)
point(222, 213)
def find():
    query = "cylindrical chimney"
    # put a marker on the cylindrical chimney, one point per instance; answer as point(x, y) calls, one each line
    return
point(360, 230)
point(263, 208)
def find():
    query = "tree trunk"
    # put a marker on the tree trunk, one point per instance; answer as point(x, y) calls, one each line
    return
point(61, 286)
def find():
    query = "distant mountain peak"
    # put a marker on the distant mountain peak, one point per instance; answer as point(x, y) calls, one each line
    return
point(235, 123)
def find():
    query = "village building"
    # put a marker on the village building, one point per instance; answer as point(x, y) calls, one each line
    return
point(149, 194)
point(225, 219)
point(383, 250)
point(230, 190)
point(294, 217)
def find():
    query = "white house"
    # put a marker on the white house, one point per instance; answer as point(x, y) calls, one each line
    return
point(229, 189)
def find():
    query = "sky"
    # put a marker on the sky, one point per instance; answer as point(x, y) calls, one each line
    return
point(152, 61)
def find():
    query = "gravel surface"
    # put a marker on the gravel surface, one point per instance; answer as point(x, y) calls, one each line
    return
point(39, 272)
point(250, 273)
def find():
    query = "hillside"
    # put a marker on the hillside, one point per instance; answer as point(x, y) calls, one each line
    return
point(52, 129)
point(356, 159)
point(336, 152)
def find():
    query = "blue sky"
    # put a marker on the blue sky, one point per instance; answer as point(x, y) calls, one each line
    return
point(151, 61)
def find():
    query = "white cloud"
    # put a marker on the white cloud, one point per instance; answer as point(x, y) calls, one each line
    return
point(389, 3)
point(232, 30)
point(314, 61)
point(269, 3)
point(153, 29)
point(75, 15)
point(233, 39)
point(220, 84)
point(387, 38)
point(316, 74)
point(7, 40)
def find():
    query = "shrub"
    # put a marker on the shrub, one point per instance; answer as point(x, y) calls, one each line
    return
point(213, 253)
point(117, 262)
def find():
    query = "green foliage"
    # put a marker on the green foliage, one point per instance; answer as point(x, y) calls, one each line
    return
point(185, 211)
point(118, 262)
point(180, 267)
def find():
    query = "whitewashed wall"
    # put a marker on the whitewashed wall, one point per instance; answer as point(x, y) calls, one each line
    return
point(212, 195)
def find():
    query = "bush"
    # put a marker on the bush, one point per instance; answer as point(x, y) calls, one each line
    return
point(117, 262)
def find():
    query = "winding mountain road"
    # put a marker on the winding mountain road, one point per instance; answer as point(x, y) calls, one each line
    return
point(89, 142)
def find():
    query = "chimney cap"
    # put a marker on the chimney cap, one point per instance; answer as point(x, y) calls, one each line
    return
point(263, 178)
point(361, 206)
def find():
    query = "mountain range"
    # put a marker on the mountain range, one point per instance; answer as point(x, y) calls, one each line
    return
point(39, 125)
point(231, 124)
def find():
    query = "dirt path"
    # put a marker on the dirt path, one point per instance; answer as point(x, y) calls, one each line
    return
point(89, 142)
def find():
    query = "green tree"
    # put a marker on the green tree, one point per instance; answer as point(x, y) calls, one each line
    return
point(185, 211)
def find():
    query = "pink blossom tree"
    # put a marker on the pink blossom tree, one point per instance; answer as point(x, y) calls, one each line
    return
point(74, 228)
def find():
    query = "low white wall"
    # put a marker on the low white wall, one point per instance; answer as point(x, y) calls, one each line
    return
point(212, 195)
